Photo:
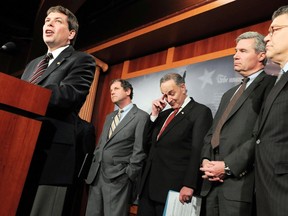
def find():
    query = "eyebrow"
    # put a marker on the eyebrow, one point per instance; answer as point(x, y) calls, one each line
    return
point(54, 18)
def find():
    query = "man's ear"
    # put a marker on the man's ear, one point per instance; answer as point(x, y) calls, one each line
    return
point(128, 92)
point(183, 87)
point(262, 56)
point(72, 34)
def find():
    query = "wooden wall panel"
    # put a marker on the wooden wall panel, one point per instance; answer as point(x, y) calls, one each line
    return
point(215, 44)
point(149, 61)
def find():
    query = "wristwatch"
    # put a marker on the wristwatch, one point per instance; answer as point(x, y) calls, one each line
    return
point(227, 170)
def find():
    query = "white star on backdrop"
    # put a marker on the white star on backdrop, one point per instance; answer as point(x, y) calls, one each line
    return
point(206, 78)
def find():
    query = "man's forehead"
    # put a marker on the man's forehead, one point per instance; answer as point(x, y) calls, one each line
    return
point(56, 15)
point(167, 87)
point(116, 85)
point(280, 20)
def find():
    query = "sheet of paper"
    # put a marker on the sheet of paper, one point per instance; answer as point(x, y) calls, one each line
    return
point(174, 207)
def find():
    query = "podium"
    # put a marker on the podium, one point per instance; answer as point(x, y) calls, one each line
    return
point(20, 104)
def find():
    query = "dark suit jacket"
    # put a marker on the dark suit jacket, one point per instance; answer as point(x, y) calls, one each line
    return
point(233, 148)
point(272, 153)
point(69, 77)
point(123, 152)
point(174, 159)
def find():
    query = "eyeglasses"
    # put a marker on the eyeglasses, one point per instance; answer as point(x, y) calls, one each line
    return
point(273, 29)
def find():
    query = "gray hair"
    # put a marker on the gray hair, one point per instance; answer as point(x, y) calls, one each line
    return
point(280, 11)
point(178, 79)
point(260, 45)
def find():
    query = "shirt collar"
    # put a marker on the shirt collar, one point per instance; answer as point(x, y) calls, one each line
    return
point(57, 52)
point(285, 68)
point(186, 101)
point(252, 77)
point(126, 109)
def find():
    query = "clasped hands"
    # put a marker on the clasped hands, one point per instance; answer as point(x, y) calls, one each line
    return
point(213, 170)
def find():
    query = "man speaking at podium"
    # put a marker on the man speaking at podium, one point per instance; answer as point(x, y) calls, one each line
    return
point(68, 74)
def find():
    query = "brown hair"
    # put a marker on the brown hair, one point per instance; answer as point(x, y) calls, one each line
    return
point(72, 19)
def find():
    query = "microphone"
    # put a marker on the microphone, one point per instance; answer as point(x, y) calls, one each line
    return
point(9, 46)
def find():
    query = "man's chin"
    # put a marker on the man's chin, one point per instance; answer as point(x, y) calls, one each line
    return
point(237, 69)
point(269, 55)
point(174, 106)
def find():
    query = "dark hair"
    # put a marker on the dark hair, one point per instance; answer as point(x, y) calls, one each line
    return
point(72, 19)
point(280, 11)
point(125, 85)
point(259, 43)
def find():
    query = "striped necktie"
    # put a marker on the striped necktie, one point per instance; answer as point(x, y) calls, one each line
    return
point(40, 69)
point(115, 122)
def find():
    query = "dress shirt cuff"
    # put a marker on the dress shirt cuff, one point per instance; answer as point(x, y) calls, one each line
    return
point(153, 118)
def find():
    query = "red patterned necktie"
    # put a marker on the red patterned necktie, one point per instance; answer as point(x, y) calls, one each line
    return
point(216, 135)
point(168, 120)
point(40, 69)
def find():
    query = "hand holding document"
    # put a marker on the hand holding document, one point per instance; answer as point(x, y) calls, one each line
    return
point(174, 207)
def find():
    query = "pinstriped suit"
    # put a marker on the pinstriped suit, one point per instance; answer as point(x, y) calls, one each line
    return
point(272, 153)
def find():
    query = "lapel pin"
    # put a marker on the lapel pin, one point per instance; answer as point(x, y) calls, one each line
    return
point(58, 63)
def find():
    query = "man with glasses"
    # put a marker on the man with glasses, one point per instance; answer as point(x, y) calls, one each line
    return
point(272, 131)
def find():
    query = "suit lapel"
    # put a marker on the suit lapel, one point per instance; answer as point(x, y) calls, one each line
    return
point(271, 97)
point(31, 68)
point(177, 118)
point(129, 117)
point(246, 93)
point(57, 63)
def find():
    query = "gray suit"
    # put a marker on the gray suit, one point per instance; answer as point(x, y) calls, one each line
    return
point(117, 162)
